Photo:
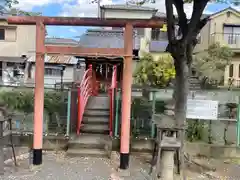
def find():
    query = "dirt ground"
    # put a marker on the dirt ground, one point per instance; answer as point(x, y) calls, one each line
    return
point(57, 166)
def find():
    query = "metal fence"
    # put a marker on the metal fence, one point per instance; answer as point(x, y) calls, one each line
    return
point(20, 101)
point(221, 131)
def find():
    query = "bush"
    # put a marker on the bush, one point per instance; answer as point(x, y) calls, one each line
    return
point(23, 101)
point(194, 130)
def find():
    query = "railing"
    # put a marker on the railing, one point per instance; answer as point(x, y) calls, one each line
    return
point(230, 39)
point(85, 90)
point(112, 92)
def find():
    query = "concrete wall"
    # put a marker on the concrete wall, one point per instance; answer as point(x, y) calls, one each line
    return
point(20, 40)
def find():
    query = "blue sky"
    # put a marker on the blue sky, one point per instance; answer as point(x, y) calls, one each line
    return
point(84, 8)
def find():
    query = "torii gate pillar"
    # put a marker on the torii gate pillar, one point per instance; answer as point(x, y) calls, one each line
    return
point(39, 94)
point(126, 97)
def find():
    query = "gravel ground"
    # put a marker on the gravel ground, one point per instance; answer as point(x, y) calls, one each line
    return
point(60, 167)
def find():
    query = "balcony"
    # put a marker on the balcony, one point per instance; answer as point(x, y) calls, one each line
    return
point(229, 39)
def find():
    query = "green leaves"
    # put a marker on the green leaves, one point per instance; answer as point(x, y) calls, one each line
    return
point(211, 65)
point(23, 101)
point(10, 3)
point(157, 73)
point(16, 12)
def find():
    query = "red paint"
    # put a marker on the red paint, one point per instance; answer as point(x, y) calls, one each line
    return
point(81, 51)
point(84, 92)
point(39, 87)
point(77, 21)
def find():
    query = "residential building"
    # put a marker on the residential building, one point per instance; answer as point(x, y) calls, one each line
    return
point(17, 56)
point(144, 40)
point(155, 40)
point(58, 68)
point(223, 27)
point(17, 44)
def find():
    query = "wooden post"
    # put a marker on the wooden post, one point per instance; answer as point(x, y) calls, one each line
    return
point(126, 97)
point(39, 94)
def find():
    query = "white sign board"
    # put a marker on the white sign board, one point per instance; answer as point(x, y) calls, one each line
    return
point(202, 109)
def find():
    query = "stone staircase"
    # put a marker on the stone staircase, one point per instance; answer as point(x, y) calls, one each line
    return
point(94, 139)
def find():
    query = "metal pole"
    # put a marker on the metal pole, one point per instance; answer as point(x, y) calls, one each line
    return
point(68, 113)
point(99, 12)
point(153, 112)
point(61, 79)
point(117, 114)
point(1, 147)
point(238, 123)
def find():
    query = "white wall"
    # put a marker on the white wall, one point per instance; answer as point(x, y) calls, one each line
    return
point(50, 81)
point(113, 13)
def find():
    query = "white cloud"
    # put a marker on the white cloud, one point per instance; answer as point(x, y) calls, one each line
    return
point(29, 4)
point(87, 8)
point(82, 8)
point(73, 30)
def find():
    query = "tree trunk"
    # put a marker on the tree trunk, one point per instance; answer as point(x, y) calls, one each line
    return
point(180, 94)
point(181, 91)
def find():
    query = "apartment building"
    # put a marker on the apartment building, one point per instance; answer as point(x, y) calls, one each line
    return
point(224, 27)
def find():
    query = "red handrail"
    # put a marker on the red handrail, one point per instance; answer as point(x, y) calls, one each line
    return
point(111, 93)
point(84, 91)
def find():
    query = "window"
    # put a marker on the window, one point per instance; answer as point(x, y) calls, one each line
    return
point(2, 34)
point(157, 34)
point(52, 72)
point(140, 31)
point(231, 70)
point(231, 34)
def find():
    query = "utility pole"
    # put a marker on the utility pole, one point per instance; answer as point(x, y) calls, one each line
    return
point(98, 6)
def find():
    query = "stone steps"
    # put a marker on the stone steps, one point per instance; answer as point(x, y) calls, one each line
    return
point(96, 119)
point(94, 139)
point(96, 112)
point(95, 128)
point(88, 141)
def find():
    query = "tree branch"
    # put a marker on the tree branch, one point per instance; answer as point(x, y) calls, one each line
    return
point(198, 7)
point(170, 20)
point(199, 26)
point(191, 45)
point(182, 18)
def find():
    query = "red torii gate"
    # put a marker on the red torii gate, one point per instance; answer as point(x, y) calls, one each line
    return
point(126, 52)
